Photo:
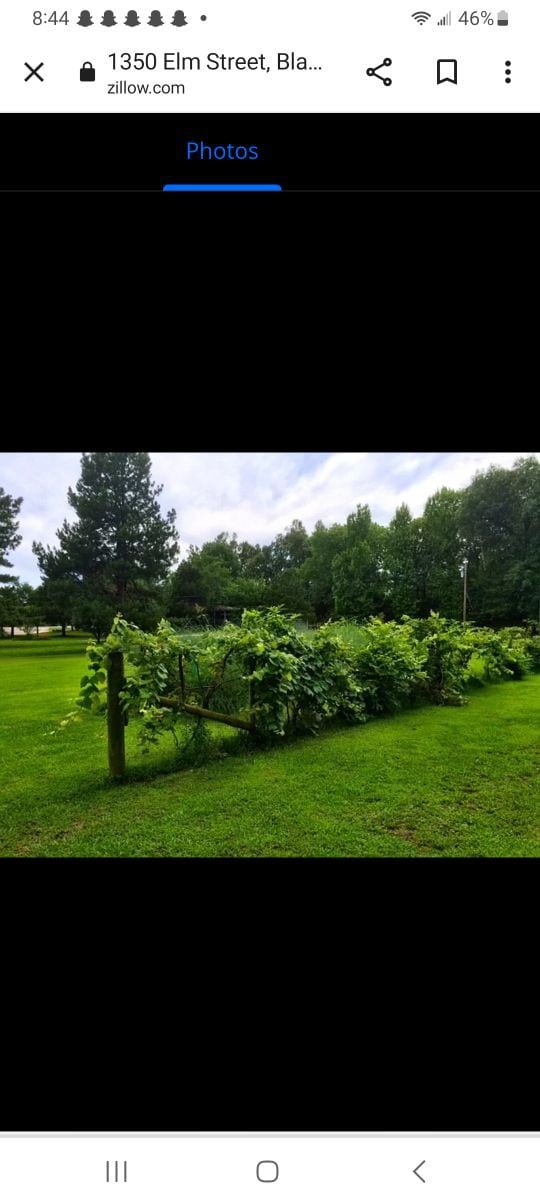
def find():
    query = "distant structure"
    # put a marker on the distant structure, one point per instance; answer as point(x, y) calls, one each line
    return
point(192, 607)
point(225, 614)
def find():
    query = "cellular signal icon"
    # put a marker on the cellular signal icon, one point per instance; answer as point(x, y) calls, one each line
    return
point(446, 20)
point(421, 18)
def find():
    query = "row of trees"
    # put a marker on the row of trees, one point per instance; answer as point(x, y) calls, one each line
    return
point(119, 552)
point(360, 568)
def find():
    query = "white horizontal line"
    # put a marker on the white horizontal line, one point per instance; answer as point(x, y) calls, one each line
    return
point(270, 1133)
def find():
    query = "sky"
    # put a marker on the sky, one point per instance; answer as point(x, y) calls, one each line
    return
point(254, 494)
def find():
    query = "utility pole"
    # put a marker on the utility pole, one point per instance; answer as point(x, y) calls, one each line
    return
point(464, 575)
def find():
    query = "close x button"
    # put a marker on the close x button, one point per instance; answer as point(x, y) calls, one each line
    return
point(34, 72)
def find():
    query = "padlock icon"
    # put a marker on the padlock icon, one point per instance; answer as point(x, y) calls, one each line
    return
point(88, 74)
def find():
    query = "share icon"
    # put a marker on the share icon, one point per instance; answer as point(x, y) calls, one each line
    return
point(373, 71)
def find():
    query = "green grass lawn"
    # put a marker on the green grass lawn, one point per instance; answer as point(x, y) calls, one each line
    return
point(432, 782)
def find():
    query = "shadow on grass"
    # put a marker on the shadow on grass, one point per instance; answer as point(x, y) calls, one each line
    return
point(220, 748)
point(188, 756)
point(217, 748)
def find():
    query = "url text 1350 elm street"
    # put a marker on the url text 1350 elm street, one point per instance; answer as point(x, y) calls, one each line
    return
point(215, 61)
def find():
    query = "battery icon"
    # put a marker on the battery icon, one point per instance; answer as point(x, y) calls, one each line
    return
point(502, 17)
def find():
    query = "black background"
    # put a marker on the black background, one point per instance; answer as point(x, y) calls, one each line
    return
point(250, 995)
point(299, 151)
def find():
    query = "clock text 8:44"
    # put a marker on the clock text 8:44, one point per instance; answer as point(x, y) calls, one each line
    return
point(50, 18)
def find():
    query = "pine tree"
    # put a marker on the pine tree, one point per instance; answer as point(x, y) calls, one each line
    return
point(9, 537)
point(120, 549)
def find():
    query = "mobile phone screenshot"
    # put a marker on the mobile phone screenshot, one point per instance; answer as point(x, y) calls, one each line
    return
point(280, 1167)
point(279, 96)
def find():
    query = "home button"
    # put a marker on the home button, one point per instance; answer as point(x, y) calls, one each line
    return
point(267, 1172)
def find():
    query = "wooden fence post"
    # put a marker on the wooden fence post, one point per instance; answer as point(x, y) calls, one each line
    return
point(115, 716)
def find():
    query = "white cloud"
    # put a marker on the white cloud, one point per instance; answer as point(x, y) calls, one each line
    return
point(254, 494)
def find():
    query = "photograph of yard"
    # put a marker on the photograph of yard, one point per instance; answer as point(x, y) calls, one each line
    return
point(350, 669)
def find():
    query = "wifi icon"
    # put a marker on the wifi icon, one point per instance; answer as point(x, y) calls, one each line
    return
point(421, 18)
